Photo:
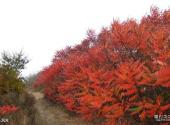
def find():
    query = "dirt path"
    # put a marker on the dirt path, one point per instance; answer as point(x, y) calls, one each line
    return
point(50, 114)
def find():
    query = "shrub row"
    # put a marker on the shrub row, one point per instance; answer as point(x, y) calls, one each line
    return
point(121, 75)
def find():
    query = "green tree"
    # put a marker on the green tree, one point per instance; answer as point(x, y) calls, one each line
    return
point(11, 66)
point(16, 61)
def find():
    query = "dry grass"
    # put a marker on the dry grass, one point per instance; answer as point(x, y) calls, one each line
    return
point(36, 110)
point(27, 112)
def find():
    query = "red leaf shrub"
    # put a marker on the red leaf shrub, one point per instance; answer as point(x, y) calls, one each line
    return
point(7, 109)
point(120, 74)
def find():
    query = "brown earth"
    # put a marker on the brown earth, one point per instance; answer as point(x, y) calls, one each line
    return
point(52, 114)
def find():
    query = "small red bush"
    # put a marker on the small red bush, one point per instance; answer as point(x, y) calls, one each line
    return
point(7, 109)
point(120, 74)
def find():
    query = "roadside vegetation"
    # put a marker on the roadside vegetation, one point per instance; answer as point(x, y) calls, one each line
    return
point(120, 76)
point(16, 105)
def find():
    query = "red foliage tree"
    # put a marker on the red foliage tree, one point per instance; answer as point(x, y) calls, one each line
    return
point(121, 75)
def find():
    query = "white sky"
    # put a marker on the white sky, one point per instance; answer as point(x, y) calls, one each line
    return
point(41, 27)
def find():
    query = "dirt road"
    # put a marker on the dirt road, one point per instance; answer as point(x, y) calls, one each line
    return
point(51, 114)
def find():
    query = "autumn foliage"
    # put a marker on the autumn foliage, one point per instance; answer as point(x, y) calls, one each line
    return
point(11, 81)
point(121, 75)
point(7, 109)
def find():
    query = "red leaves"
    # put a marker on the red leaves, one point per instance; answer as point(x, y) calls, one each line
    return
point(7, 109)
point(163, 77)
point(147, 109)
point(120, 72)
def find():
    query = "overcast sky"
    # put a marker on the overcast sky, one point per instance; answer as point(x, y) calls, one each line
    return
point(41, 27)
